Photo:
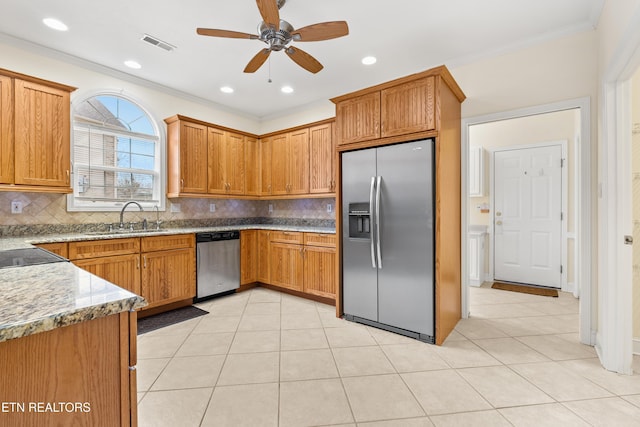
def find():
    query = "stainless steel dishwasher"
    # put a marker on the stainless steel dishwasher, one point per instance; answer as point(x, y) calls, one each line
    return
point(218, 263)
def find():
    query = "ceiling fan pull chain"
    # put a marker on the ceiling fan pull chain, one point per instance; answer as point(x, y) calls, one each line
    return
point(269, 81)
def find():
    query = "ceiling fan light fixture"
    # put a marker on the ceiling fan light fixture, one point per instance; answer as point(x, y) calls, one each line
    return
point(133, 64)
point(286, 89)
point(55, 24)
point(369, 60)
point(226, 89)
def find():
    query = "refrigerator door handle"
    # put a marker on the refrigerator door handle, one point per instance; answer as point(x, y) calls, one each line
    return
point(378, 191)
point(371, 215)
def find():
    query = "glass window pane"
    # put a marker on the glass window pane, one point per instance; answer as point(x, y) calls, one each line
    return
point(105, 158)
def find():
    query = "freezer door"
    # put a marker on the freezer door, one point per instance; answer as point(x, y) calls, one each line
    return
point(406, 279)
point(359, 277)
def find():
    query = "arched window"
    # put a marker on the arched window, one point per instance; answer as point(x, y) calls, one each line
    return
point(115, 154)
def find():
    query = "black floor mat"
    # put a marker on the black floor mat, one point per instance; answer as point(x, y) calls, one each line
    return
point(168, 318)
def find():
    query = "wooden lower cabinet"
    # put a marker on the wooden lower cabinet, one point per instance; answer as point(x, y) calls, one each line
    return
point(167, 276)
point(162, 269)
point(303, 262)
point(83, 371)
point(263, 245)
point(123, 270)
point(248, 257)
point(61, 249)
point(320, 265)
point(286, 265)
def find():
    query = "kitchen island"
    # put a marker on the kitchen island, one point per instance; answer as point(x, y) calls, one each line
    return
point(67, 347)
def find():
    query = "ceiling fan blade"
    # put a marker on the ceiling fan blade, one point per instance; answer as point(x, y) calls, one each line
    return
point(225, 33)
point(304, 60)
point(269, 12)
point(321, 31)
point(257, 61)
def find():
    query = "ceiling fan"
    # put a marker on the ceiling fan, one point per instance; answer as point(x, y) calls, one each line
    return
point(278, 34)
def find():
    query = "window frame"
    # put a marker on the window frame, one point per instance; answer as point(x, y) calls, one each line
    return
point(159, 191)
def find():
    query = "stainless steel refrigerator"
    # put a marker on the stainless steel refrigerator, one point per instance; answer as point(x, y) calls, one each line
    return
point(388, 238)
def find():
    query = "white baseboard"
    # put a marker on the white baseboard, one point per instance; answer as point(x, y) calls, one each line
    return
point(636, 346)
point(569, 287)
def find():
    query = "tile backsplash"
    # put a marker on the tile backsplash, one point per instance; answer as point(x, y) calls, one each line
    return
point(41, 208)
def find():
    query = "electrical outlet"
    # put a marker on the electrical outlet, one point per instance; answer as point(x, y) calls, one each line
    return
point(16, 207)
point(212, 207)
point(329, 208)
point(175, 207)
point(270, 208)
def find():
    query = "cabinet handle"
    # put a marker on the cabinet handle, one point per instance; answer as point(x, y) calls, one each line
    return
point(269, 188)
point(144, 261)
point(138, 264)
point(68, 176)
point(182, 184)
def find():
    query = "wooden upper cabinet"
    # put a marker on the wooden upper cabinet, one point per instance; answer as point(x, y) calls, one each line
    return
point(226, 162)
point(408, 107)
point(234, 163)
point(279, 163)
point(6, 130)
point(187, 158)
point(290, 163)
point(265, 167)
point(42, 135)
point(251, 166)
point(216, 163)
point(298, 168)
point(322, 150)
point(358, 119)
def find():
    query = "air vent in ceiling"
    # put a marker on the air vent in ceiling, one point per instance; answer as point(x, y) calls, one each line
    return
point(157, 42)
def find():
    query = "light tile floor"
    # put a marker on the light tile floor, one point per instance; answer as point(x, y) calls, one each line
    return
point(262, 358)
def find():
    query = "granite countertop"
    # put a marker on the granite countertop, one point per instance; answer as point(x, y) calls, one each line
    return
point(40, 298)
point(74, 237)
point(43, 297)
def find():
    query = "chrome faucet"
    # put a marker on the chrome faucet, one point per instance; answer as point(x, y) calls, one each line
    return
point(122, 212)
point(158, 222)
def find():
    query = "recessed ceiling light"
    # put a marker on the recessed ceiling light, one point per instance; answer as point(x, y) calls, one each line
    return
point(226, 89)
point(369, 60)
point(133, 64)
point(55, 24)
point(286, 89)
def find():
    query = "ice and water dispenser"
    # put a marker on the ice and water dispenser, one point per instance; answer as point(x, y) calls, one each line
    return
point(359, 220)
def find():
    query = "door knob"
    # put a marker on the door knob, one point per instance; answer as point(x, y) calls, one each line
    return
point(498, 222)
point(498, 213)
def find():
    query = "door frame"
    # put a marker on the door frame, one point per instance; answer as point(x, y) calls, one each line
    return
point(614, 342)
point(583, 205)
point(564, 205)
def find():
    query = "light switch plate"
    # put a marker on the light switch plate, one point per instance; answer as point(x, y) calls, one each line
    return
point(175, 207)
point(329, 208)
point(270, 208)
point(212, 207)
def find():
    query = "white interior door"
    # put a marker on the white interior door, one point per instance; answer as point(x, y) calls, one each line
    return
point(528, 215)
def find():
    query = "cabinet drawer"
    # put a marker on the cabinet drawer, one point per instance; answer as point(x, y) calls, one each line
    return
point(287, 237)
point(162, 243)
point(103, 248)
point(320, 239)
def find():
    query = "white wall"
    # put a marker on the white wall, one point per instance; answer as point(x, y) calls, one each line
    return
point(552, 71)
